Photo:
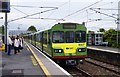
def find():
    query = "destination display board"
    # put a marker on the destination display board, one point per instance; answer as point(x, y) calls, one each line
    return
point(69, 26)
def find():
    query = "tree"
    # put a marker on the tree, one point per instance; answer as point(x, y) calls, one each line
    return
point(32, 28)
point(101, 30)
point(91, 31)
point(2, 29)
point(110, 36)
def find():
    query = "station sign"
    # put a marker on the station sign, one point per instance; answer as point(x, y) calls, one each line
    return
point(5, 6)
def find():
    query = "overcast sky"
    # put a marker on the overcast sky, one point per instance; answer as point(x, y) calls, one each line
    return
point(69, 10)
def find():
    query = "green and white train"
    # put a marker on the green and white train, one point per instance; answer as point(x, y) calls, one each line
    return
point(64, 42)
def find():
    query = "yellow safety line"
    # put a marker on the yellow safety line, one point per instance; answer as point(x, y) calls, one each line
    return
point(27, 49)
point(40, 63)
point(33, 61)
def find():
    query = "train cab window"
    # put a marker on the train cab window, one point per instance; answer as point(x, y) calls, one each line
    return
point(69, 37)
point(80, 36)
point(58, 36)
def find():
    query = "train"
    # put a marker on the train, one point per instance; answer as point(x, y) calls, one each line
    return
point(65, 43)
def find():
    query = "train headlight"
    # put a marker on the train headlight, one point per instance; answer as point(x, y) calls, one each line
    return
point(58, 50)
point(81, 50)
point(55, 50)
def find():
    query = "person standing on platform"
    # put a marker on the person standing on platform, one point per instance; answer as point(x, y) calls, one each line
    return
point(9, 44)
point(16, 45)
point(0, 43)
point(21, 43)
point(13, 39)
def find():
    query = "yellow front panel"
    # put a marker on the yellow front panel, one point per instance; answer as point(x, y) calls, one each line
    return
point(68, 47)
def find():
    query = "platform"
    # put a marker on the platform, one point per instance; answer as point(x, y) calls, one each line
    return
point(20, 64)
point(105, 48)
point(51, 67)
point(29, 62)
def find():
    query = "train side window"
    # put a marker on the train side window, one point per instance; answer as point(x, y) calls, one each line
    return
point(48, 38)
point(37, 37)
point(44, 38)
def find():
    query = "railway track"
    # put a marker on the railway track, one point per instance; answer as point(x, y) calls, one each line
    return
point(92, 68)
point(76, 72)
point(112, 68)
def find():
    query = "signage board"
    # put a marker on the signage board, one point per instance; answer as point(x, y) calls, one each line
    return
point(5, 6)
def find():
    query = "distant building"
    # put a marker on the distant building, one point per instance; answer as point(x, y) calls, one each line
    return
point(94, 38)
point(17, 32)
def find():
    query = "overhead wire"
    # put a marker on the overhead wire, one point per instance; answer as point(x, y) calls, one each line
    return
point(89, 14)
point(31, 6)
point(93, 13)
point(62, 6)
point(104, 4)
point(19, 11)
point(82, 9)
point(53, 12)
point(46, 18)
point(104, 19)
point(32, 15)
point(76, 15)
point(103, 13)
point(58, 9)
point(105, 8)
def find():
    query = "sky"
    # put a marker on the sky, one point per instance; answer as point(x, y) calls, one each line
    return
point(70, 10)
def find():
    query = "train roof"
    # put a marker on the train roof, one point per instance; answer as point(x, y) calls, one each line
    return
point(54, 25)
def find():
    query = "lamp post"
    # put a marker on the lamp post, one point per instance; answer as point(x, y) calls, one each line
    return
point(117, 29)
point(117, 21)
point(6, 23)
point(18, 30)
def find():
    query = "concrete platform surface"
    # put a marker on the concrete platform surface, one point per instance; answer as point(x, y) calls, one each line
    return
point(22, 64)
